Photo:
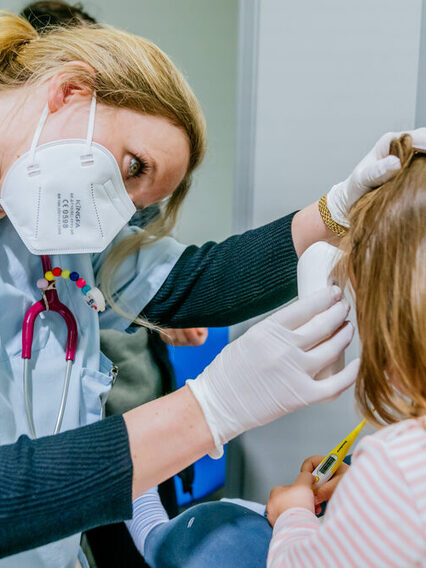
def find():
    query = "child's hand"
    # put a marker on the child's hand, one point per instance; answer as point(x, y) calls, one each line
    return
point(324, 492)
point(285, 497)
point(194, 336)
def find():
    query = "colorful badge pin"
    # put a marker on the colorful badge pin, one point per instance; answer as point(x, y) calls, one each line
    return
point(92, 296)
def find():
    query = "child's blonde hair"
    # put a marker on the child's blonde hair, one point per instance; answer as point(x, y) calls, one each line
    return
point(385, 259)
point(129, 72)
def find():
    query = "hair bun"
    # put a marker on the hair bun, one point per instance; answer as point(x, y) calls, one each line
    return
point(14, 33)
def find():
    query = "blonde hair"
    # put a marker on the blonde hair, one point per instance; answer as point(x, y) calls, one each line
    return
point(129, 72)
point(385, 259)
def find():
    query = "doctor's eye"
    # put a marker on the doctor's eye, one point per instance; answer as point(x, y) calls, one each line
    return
point(137, 167)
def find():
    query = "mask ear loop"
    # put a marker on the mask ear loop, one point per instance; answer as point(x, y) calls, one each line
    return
point(91, 125)
point(33, 168)
point(87, 159)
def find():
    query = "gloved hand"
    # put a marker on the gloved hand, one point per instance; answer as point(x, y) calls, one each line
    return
point(270, 370)
point(376, 168)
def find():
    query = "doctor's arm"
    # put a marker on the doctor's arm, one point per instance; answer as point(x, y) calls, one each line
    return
point(246, 275)
point(59, 485)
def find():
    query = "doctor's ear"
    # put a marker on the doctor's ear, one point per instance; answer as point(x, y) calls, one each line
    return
point(77, 78)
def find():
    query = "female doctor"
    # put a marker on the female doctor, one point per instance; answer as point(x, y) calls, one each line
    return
point(68, 187)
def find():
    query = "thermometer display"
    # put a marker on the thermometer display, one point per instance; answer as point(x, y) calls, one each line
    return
point(328, 464)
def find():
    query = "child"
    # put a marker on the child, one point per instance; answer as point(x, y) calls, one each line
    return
point(377, 516)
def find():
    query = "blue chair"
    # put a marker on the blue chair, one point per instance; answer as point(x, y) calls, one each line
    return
point(188, 363)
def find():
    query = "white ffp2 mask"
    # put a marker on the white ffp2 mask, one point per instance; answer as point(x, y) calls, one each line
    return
point(66, 196)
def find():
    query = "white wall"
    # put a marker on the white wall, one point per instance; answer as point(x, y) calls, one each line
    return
point(201, 38)
point(332, 77)
point(421, 83)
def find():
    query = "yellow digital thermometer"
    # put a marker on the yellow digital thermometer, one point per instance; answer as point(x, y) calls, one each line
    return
point(331, 463)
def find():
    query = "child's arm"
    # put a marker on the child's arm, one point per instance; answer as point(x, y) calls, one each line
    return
point(371, 519)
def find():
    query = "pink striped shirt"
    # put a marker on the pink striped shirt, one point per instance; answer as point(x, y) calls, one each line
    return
point(377, 515)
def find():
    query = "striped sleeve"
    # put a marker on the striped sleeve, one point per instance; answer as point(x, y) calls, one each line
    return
point(372, 520)
point(148, 512)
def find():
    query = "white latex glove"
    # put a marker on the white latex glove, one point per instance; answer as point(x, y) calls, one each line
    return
point(376, 168)
point(270, 370)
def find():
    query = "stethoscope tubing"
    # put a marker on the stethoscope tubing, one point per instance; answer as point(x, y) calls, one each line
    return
point(64, 397)
point(28, 402)
point(27, 398)
point(50, 302)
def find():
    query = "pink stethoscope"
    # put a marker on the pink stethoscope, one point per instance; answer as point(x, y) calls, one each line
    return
point(50, 302)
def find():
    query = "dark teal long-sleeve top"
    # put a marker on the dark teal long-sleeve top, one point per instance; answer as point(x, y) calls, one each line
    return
point(59, 485)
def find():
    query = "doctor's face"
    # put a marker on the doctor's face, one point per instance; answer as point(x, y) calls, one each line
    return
point(152, 154)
